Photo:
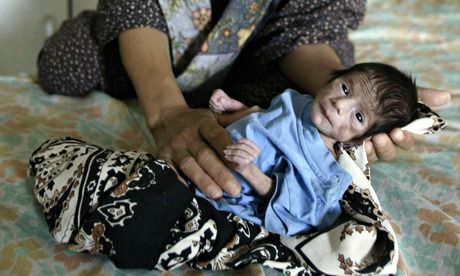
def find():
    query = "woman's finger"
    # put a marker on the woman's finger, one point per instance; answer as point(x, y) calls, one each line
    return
point(190, 167)
point(210, 157)
point(402, 139)
point(370, 152)
point(384, 147)
point(433, 97)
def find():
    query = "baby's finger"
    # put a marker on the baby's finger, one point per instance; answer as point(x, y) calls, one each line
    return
point(246, 145)
point(239, 152)
point(251, 144)
point(241, 160)
point(241, 149)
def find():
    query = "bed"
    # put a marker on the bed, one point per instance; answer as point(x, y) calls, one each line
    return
point(419, 190)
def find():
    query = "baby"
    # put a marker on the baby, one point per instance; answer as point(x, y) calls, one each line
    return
point(284, 156)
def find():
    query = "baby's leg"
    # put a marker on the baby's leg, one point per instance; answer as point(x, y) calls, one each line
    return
point(228, 110)
point(221, 102)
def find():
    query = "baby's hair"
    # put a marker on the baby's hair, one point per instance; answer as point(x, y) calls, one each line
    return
point(396, 95)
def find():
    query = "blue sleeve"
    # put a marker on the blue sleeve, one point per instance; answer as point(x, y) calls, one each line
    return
point(278, 216)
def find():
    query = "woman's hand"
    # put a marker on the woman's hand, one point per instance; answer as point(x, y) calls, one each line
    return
point(193, 141)
point(384, 146)
point(186, 138)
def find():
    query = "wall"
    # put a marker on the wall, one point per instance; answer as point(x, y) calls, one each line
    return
point(22, 30)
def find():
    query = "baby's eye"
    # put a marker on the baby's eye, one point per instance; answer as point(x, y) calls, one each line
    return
point(359, 116)
point(345, 89)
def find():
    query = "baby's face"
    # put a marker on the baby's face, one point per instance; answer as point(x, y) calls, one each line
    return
point(344, 109)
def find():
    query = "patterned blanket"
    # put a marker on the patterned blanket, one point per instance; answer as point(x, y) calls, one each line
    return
point(132, 208)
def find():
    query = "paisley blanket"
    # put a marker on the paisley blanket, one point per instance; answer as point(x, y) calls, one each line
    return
point(131, 207)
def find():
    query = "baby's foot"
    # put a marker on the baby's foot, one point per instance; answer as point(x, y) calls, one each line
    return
point(221, 102)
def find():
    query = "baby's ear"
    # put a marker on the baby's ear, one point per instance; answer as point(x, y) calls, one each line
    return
point(347, 144)
point(354, 142)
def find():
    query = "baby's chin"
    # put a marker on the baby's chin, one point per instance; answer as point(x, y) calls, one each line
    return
point(331, 134)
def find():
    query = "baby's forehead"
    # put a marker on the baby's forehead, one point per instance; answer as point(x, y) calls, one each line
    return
point(365, 88)
point(364, 84)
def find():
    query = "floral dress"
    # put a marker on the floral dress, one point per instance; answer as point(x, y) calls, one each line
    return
point(251, 36)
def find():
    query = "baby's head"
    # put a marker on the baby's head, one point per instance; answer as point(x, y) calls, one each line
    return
point(363, 100)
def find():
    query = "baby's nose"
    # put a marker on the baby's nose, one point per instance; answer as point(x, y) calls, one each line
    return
point(342, 104)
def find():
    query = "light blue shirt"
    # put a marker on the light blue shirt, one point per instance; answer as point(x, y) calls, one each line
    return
point(309, 182)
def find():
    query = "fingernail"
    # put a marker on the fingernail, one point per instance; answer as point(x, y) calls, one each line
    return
point(446, 97)
point(216, 194)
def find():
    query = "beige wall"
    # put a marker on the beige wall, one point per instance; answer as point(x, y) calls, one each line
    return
point(22, 30)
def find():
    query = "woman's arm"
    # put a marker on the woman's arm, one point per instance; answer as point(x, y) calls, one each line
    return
point(146, 58)
point(310, 66)
point(185, 137)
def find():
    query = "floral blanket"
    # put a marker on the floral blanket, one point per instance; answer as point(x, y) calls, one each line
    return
point(419, 191)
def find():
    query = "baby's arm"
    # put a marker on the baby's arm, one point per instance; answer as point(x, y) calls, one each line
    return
point(226, 109)
point(243, 153)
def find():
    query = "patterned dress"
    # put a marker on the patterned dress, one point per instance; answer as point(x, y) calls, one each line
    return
point(83, 55)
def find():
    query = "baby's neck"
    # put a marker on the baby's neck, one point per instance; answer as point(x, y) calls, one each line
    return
point(329, 142)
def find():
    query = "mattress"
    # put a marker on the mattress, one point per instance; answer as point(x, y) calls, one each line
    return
point(419, 190)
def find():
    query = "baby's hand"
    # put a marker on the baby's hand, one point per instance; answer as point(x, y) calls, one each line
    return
point(242, 153)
